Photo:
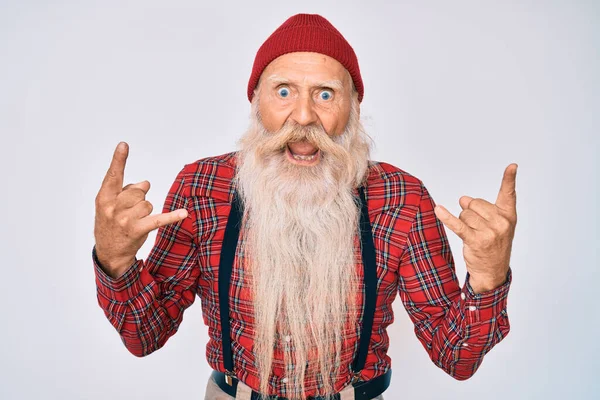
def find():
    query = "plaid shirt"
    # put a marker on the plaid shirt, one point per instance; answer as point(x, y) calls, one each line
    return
point(455, 326)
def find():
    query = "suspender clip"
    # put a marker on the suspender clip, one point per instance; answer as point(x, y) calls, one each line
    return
point(355, 377)
point(229, 377)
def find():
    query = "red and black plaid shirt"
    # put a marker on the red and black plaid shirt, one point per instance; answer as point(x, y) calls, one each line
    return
point(456, 326)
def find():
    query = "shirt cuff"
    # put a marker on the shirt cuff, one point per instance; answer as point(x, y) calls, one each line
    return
point(482, 307)
point(125, 287)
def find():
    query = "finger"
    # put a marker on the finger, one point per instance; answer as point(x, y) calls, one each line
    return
point(130, 197)
point(464, 202)
point(143, 185)
point(473, 220)
point(507, 196)
point(454, 224)
point(484, 208)
point(142, 209)
point(113, 180)
point(152, 222)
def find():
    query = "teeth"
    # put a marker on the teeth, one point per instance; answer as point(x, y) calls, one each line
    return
point(303, 158)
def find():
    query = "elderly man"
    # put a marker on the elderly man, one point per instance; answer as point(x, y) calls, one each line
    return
point(298, 243)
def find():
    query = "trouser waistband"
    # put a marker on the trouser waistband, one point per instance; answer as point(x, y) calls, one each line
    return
point(365, 390)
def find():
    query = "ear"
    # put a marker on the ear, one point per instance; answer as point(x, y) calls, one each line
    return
point(355, 99)
point(257, 89)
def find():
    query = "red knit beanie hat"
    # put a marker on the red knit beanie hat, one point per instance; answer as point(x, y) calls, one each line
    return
point(306, 32)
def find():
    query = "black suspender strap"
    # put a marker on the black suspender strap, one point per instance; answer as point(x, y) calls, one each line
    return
point(370, 280)
point(229, 247)
point(230, 240)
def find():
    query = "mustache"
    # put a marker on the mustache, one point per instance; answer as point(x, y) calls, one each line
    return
point(291, 131)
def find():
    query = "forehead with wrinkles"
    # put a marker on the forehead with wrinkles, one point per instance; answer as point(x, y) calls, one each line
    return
point(307, 70)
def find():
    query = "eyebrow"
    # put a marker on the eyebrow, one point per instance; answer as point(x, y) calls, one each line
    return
point(333, 84)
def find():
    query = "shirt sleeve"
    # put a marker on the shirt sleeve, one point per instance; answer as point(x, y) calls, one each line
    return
point(455, 326)
point(146, 303)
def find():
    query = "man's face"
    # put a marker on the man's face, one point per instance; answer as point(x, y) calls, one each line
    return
point(306, 88)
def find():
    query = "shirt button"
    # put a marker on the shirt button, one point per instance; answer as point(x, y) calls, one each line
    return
point(465, 344)
point(284, 380)
point(288, 338)
point(472, 308)
point(462, 295)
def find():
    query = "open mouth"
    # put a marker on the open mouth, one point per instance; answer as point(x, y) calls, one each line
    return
point(303, 153)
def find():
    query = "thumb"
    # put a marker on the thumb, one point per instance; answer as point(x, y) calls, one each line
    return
point(441, 213)
point(152, 222)
point(453, 223)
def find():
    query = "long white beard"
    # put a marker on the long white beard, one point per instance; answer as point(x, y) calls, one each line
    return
point(298, 250)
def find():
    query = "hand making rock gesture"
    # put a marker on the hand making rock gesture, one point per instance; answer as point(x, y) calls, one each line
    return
point(487, 231)
point(122, 220)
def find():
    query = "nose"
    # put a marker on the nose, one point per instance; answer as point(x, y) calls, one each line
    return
point(304, 113)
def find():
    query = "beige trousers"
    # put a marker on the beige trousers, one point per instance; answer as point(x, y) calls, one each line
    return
point(214, 392)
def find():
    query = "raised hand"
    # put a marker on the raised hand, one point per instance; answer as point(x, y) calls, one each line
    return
point(487, 232)
point(122, 221)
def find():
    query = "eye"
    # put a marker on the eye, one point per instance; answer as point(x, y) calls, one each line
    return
point(283, 92)
point(326, 94)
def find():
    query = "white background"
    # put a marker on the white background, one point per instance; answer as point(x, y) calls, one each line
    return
point(454, 92)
